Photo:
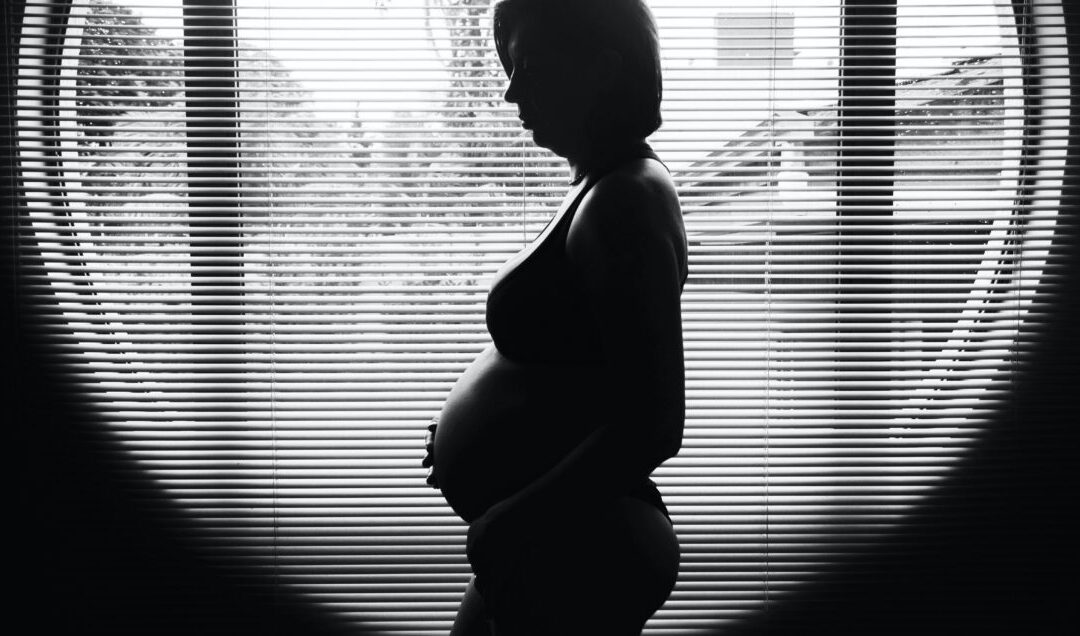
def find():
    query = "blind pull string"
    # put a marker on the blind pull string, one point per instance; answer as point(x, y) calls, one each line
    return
point(776, 164)
point(524, 232)
point(274, 499)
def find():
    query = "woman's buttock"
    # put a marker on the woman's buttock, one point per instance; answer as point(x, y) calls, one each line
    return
point(626, 529)
point(618, 561)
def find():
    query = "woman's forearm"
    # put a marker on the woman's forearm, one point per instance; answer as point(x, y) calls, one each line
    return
point(611, 461)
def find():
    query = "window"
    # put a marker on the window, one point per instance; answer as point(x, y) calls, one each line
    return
point(265, 228)
point(754, 39)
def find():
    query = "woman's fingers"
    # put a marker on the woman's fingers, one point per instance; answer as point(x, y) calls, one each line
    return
point(429, 442)
point(429, 453)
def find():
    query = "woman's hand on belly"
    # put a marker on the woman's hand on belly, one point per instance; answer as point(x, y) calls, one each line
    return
point(429, 453)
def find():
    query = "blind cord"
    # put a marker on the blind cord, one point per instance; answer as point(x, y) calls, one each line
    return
point(275, 542)
point(776, 164)
point(524, 233)
point(365, 336)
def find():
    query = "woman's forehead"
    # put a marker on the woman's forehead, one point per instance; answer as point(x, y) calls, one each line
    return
point(531, 39)
point(520, 42)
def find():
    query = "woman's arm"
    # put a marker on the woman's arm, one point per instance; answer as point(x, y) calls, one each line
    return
point(627, 248)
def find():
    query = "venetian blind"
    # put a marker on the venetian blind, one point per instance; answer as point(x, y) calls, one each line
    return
point(267, 226)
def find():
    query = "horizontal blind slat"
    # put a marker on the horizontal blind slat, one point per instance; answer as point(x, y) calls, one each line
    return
point(267, 342)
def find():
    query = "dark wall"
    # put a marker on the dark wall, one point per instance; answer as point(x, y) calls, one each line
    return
point(993, 551)
point(86, 558)
point(990, 553)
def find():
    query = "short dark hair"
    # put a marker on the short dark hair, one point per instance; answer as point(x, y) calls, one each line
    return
point(632, 109)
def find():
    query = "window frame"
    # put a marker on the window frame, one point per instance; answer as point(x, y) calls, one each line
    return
point(1034, 113)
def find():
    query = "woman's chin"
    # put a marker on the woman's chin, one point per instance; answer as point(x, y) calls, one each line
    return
point(537, 137)
point(544, 141)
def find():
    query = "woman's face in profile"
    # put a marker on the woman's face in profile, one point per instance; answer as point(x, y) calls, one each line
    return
point(552, 88)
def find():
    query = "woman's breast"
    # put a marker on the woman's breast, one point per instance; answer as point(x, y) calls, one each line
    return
point(504, 424)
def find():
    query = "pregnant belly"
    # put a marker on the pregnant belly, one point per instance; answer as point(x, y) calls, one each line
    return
point(504, 424)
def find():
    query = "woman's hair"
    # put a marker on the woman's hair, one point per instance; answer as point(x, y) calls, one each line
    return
point(587, 27)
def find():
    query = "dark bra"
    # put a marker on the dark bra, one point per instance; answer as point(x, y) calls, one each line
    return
point(535, 310)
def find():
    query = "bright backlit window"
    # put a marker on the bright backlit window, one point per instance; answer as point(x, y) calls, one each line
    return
point(267, 229)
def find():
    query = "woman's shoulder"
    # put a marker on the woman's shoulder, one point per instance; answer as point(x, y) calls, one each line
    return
point(630, 216)
point(637, 195)
point(641, 182)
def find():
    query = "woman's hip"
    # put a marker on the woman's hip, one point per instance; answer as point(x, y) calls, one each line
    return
point(619, 556)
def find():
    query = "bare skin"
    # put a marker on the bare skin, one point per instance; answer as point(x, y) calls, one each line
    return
point(554, 446)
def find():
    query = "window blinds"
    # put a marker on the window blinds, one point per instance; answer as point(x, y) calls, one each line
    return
point(265, 228)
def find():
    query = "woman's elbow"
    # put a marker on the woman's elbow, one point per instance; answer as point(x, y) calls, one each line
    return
point(653, 427)
point(669, 447)
point(666, 441)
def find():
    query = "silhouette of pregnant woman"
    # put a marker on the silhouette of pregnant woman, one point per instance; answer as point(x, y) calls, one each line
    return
point(546, 442)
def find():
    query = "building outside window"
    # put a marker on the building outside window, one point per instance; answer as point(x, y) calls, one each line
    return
point(266, 229)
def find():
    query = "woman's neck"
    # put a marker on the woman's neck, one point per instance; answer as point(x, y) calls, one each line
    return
point(603, 156)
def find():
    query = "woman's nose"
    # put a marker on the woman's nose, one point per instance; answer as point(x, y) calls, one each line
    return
point(513, 89)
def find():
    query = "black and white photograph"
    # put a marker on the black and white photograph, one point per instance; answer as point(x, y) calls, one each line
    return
point(541, 317)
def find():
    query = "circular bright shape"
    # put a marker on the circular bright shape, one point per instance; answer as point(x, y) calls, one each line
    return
point(271, 319)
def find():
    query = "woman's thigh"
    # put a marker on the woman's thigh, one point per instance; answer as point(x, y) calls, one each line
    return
point(604, 573)
point(472, 618)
